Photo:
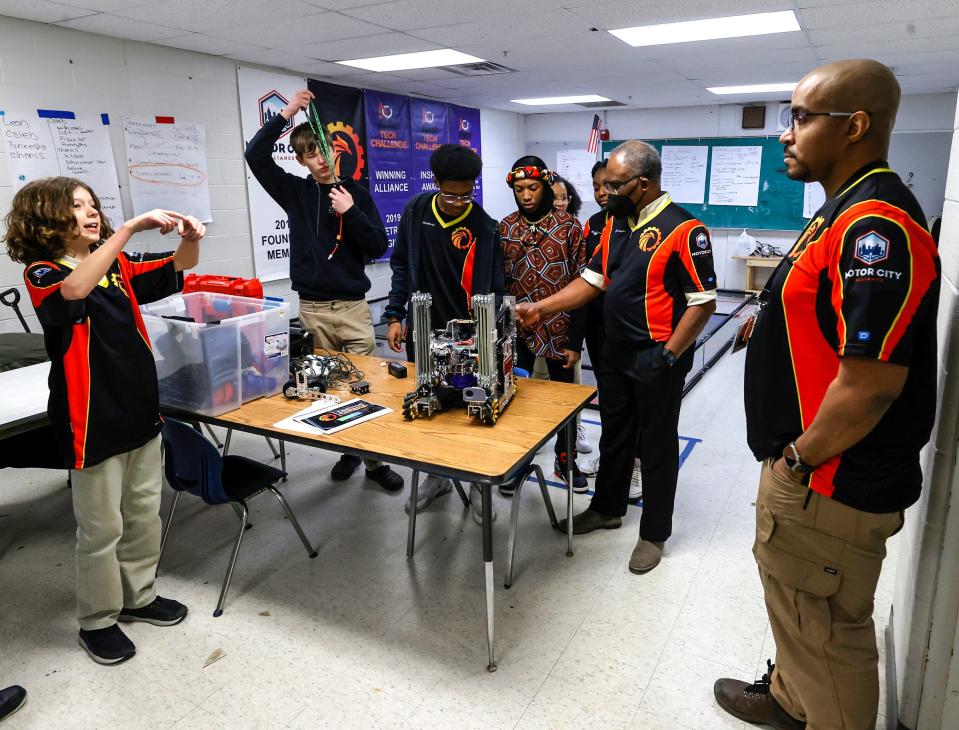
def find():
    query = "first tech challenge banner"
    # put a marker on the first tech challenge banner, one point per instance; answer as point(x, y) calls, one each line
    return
point(390, 157)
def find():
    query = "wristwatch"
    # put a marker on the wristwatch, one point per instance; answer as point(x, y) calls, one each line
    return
point(669, 357)
point(393, 320)
point(794, 462)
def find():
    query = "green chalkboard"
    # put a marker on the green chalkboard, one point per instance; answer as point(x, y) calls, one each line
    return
point(780, 202)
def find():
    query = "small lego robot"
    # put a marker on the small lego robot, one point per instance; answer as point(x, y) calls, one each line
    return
point(469, 363)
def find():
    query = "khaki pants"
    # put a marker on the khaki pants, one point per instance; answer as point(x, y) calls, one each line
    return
point(819, 561)
point(343, 326)
point(117, 507)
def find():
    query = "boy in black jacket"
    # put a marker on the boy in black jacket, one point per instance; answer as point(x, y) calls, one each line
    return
point(334, 227)
point(449, 247)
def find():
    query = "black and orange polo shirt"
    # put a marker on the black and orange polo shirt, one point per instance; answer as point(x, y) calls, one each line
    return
point(652, 269)
point(862, 280)
point(447, 253)
point(104, 396)
point(593, 232)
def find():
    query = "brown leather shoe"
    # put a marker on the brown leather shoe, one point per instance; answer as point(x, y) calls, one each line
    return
point(754, 702)
point(590, 520)
point(646, 556)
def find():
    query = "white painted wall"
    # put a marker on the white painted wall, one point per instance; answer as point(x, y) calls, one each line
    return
point(926, 600)
point(920, 113)
point(43, 66)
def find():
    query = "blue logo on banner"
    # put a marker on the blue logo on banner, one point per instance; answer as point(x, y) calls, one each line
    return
point(872, 248)
point(270, 107)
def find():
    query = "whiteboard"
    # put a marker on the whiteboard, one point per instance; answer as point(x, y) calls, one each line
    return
point(47, 147)
point(167, 167)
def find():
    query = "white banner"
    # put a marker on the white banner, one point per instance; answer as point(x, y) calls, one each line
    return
point(167, 167)
point(43, 147)
point(262, 95)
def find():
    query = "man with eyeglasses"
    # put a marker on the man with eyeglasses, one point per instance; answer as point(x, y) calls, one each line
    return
point(449, 247)
point(654, 262)
point(840, 399)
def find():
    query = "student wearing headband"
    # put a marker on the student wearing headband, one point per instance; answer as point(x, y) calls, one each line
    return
point(543, 251)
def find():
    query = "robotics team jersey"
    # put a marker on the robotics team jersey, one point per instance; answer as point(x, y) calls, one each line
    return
point(593, 232)
point(446, 263)
point(652, 270)
point(103, 383)
point(862, 280)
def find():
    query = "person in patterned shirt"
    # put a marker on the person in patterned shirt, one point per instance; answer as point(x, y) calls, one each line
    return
point(543, 251)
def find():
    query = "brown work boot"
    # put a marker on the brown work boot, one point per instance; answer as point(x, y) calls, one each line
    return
point(589, 520)
point(646, 556)
point(754, 702)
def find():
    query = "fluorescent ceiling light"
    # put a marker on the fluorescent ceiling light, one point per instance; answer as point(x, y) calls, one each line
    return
point(405, 61)
point(735, 26)
point(752, 88)
point(546, 100)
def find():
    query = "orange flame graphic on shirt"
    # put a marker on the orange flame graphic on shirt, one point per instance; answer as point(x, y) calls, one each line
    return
point(462, 238)
point(650, 239)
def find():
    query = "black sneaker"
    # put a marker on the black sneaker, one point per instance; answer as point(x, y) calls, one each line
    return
point(161, 612)
point(344, 468)
point(580, 483)
point(11, 700)
point(107, 646)
point(386, 478)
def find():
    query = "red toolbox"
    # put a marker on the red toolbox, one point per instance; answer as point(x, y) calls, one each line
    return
point(234, 285)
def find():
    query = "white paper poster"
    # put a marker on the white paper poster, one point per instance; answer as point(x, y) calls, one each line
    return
point(684, 172)
point(262, 96)
point(43, 147)
point(734, 176)
point(167, 167)
point(574, 165)
point(813, 199)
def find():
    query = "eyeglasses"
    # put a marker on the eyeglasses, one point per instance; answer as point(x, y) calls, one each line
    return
point(453, 199)
point(798, 117)
point(613, 187)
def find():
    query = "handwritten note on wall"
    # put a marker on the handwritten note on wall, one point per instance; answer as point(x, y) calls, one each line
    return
point(79, 148)
point(684, 172)
point(734, 176)
point(167, 167)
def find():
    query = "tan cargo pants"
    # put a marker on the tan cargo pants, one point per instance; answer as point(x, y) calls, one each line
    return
point(819, 561)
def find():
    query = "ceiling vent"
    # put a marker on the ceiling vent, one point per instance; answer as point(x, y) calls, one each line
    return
point(600, 104)
point(483, 68)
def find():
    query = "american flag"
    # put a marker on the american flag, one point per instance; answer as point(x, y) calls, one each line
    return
point(593, 142)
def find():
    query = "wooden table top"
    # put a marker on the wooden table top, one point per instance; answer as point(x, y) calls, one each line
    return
point(450, 441)
point(769, 261)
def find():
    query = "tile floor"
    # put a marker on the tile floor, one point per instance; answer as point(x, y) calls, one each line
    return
point(362, 637)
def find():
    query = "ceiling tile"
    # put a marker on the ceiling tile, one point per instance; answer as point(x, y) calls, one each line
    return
point(887, 32)
point(850, 15)
point(40, 10)
point(206, 15)
point(207, 44)
point(104, 6)
point(506, 28)
point(114, 25)
point(309, 30)
point(382, 44)
point(410, 15)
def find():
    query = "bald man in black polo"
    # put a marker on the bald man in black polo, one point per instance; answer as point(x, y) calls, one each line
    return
point(840, 399)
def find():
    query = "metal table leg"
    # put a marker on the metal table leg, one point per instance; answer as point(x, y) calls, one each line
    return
point(487, 489)
point(411, 533)
point(570, 455)
point(461, 492)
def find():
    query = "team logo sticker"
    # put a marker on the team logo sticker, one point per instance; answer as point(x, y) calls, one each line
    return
point(462, 238)
point(271, 105)
point(872, 248)
point(702, 241)
point(650, 239)
point(38, 273)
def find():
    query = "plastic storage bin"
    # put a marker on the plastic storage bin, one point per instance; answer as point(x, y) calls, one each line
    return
point(216, 351)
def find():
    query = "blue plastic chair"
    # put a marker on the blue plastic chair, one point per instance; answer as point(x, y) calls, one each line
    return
point(192, 464)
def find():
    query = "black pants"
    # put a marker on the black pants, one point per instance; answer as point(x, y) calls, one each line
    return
point(595, 333)
point(639, 403)
point(526, 360)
